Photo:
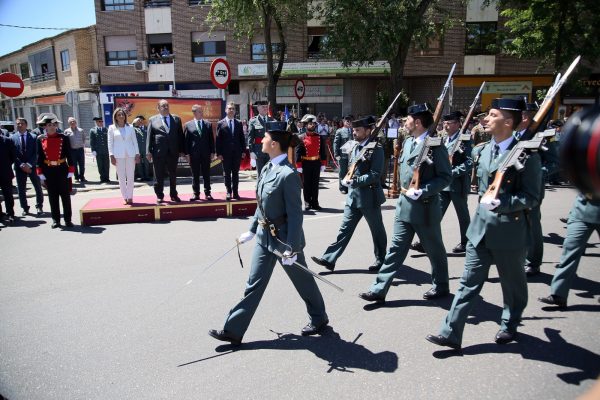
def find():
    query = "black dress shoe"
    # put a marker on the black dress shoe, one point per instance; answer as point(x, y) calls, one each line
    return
point(316, 207)
point(434, 294)
point(459, 248)
point(176, 199)
point(532, 270)
point(503, 337)
point(307, 207)
point(342, 191)
point(323, 263)
point(417, 246)
point(195, 197)
point(236, 196)
point(208, 197)
point(55, 225)
point(225, 337)
point(375, 267)
point(160, 201)
point(25, 212)
point(311, 329)
point(442, 341)
point(228, 196)
point(10, 220)
point(40, 211)
point(69, 224)
point(554, 300)
point(370, 296)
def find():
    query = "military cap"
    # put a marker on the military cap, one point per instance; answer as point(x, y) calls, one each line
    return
point(508, 104)
point(97, 119)
point(276, 126)
point(309, 118)
point(418, 109)
point(453, 116)
point(261, 103)
point(531, 107)
point(349, 117)
point(363, 122)
point(48, 118)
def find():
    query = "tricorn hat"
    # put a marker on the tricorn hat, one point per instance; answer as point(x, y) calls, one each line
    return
point(97, 119)
point(453, 116)
point(48, 118)
point(509, 104)
point(364, 122)
point(419, 108)
point(276, 126)
point(309, 118)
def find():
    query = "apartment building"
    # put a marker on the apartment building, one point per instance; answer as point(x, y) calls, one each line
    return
point(154, 47)
point(60, 74)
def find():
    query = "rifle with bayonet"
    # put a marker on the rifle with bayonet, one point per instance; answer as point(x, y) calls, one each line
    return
point(432, 139)
point(462, 136)
point(532, 140)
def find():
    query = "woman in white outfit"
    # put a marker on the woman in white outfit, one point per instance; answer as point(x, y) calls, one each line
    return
point(124, 152)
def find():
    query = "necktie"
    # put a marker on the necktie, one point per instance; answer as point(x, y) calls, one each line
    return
point(23, 144)
point(413, 145)
point(231, 126)
point(199, 126)
point(166, 122)
point(495, 152)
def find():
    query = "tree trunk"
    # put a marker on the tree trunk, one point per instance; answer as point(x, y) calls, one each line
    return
point(397, 72)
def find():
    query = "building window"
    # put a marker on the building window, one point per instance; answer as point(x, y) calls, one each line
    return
point(317, 38)
point(124, 57)
point(481, 38)
point(206, 47)
point(259, 51)
point(65, 60)
point(25, 70)
point(157, 3)
point(120, 50)
point(118, 5)
point(160, 48)
point(199, 2)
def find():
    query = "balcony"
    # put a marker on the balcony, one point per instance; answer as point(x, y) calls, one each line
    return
point(48, 76)
point(164, 72)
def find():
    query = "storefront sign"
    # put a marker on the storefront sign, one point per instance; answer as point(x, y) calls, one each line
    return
point(315, 68)
point(312, 91)
point(508, 87)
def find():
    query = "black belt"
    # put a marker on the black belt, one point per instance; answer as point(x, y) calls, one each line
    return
point(272, 224)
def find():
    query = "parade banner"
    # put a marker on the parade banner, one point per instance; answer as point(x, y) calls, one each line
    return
point(212, 108)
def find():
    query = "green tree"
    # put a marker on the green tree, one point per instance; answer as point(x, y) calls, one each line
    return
point(245, 17)
point(381, 30)
point(555, 31)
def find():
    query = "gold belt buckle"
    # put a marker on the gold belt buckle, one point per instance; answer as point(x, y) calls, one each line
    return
point(53, 162)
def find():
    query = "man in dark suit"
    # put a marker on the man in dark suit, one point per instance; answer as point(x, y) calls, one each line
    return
point(26, 158)
point(165, 145)
point(7, 158)
point(200, 151)
point(99, 147)
point(230, 149)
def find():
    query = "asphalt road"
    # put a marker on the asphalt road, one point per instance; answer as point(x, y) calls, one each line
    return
point(122, 312)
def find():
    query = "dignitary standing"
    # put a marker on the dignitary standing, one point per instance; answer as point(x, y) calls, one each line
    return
point(142, 169)
point(364, 198)
point(25, 144)
point(499, 232)
point(279, 205)
point(418, 210)
point(165, 145)
point(230, 146)
point(55, 169)
point(124, 153)
point(77, 141)
point(256, 131)
point(99, 147)
point(200, 151)
point(342, 136)
point(311, 159)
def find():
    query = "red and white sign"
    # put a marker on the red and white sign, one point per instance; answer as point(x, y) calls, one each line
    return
point(220, 73)
point(11, 85)
point(299, 89)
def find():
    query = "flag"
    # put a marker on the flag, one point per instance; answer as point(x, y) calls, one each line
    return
point(286, 112)
point(269, 112)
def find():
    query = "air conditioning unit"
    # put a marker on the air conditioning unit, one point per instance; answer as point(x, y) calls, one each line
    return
point(141, 66)
point(93, 78)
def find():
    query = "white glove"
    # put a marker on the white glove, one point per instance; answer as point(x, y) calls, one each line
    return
point(69, 175)
point(414, 194)
point(94, 154)
point(489, 203)
point(246, 237)
point(299, 170)
point(42, 177)
point(322, 168)
point(288, 258)
point(253, 162)
point(346, 182)
point(253, 156)
point(338, 158)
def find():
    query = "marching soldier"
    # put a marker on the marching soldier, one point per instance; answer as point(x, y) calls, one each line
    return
point(364, 198)
point(55, 169)
point(499, 232)
point(277, 225)
point(256, 132)
point(342, 135)
point(99, 147)
point(311, 159)
point(418, 210)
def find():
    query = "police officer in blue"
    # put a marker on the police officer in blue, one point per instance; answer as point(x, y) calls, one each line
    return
point(418, 210)
point(364, 198)
point(277, 225)
point(256, 132)
point(342, 136)
point(499, 231)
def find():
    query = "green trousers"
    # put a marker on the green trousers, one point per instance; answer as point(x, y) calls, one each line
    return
point(461, 208)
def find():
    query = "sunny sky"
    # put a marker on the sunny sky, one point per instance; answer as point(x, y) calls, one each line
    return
point(40, 14)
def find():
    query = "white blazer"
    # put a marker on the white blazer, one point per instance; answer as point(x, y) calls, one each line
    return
point(122, 142)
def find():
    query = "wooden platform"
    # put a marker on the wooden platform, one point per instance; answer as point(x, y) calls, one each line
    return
point(107, 211)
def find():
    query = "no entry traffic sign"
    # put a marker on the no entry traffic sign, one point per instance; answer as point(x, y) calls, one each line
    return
point(11, 85)
point(220, 73)
point(299, 89)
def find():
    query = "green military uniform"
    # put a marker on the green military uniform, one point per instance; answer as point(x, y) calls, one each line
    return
point(364, 198)
point(342, 135)
point(142, 169)
point(584, 218)
point(499, 236)
point(421, 216)
point(99, 144)
point(256, 131)
point(278, 191)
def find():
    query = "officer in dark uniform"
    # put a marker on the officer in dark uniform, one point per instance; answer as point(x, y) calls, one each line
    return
point(342, 135)
point(311, 159)
point(499, 232)
point(364, 198)
point(55, 169)
point(418, 210)
point(279, 205)
point(99, 147)
point(256, 131)
point(142, 169)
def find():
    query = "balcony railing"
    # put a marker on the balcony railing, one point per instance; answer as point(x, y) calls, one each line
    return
point(48, 76)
